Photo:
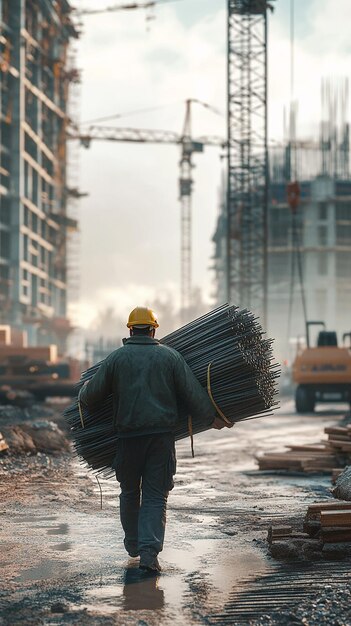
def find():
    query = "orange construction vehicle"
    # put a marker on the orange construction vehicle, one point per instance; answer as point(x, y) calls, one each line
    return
point(322, 373)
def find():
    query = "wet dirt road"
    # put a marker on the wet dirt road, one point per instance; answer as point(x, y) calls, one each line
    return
point(62, 558)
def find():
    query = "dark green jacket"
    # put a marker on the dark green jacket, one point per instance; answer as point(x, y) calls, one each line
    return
point(151, 386)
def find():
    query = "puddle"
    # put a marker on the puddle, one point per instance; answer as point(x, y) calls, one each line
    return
point(202, 565)
point(183, 568)
point(133, 591)
point(46, 569)
point(62, 547)
point(61, 529)
point(21, 519)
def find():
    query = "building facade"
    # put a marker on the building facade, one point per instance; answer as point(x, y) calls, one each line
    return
point(323, 243)
point(35, 79)
point(319, 237)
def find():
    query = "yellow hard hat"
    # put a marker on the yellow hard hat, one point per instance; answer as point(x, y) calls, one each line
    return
point(142, 316)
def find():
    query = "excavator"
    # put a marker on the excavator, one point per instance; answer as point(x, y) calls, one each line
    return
point(322, 373)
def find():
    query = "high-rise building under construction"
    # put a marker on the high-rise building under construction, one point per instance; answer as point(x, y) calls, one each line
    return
point(309, 246)
point(35, 80)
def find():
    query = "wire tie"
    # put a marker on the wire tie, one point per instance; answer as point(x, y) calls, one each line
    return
point(190, 428)
point(209, 391)
point(81, 413)
point(98, 482)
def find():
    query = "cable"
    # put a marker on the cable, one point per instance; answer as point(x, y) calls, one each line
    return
point(129, 113)
point(292, 278)
point(126, 7)
point(210, 107)
point(300, 271)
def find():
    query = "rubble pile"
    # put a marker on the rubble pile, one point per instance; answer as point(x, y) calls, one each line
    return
point(33, 430)
point(342, 488)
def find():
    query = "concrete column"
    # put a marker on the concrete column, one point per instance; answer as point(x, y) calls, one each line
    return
point(17, 22)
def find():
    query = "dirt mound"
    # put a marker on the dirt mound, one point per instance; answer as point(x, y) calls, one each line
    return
point(40, 436)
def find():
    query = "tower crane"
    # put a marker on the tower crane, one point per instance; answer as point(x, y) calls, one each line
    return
point(189, 146)
point(248, 175)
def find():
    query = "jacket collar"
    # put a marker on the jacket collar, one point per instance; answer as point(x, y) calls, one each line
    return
point(141, 340)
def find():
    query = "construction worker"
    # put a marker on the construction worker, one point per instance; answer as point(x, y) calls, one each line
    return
point(151, 385)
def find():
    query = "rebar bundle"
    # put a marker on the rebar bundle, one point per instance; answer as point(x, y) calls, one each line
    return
point(227, 352)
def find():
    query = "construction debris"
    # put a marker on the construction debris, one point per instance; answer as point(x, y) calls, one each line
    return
point(342, 488)
point(329, 455)
point(34, 437)
point(326, 531)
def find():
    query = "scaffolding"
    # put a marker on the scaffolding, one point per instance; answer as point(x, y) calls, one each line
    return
point(35, 37)
point(247, 194)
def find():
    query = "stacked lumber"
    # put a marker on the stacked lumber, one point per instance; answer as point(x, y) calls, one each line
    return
point(325, 456)
point(279, 533)
point(326, 533)
point(3, 444)
point(339, 438)
point(330, 521)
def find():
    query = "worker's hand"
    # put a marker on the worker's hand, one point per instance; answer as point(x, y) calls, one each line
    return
point(218, 423)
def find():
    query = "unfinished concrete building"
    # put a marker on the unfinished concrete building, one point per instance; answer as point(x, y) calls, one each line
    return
point(324, 225)
point(35, 80)
point(318, 235)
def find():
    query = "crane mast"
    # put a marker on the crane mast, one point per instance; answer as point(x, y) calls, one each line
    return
point(185, 193)
point(247, 190)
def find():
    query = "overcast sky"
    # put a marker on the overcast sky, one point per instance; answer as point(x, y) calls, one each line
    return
point(130, 222)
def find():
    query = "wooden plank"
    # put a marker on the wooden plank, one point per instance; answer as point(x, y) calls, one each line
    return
point(336, 518)
point(326, 505)
point(300, 454)
point(341, 430)
point(276, 532)
point(335, 443)
point(337, 437)
point(296, 535)
point(313, 447)
point(46, 353)
point(326, 463)
point(336, 534)
point(314, 510)
point(279, 465)
point(309, 469)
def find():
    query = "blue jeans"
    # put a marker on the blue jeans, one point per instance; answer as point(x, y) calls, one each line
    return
point(145, 466)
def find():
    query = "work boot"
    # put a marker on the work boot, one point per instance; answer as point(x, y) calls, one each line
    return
point(133, 553)
point(132, 548)
point(149, 563)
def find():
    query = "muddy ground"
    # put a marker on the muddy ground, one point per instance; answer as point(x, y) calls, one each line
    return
point(62, 559)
